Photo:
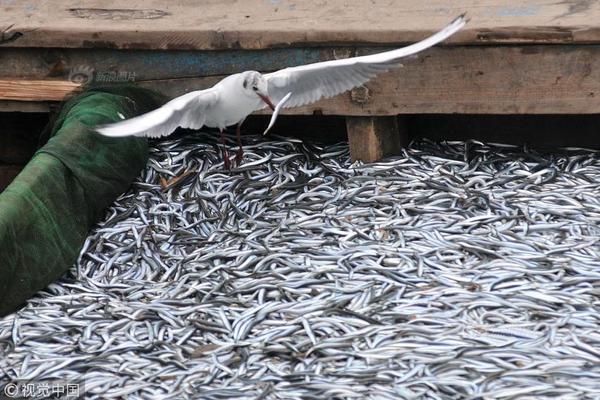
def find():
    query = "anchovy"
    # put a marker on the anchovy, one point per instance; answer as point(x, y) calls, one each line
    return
point(454, 270)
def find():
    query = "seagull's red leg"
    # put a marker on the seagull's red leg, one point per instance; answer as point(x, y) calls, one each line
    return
point(226, 162)
point(240, 153)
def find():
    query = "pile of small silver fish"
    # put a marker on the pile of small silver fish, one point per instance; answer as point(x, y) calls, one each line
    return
point(456, 270)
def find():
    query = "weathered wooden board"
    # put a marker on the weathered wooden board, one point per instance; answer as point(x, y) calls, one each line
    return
point(259, 24)
point(373, 138)
point(36, 90)
point(24, 106)
point(106, 65)
point(533, 79)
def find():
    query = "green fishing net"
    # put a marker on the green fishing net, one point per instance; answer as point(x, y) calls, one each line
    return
point(47, 211)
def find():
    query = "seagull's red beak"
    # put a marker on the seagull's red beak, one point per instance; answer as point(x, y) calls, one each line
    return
point(266, 100)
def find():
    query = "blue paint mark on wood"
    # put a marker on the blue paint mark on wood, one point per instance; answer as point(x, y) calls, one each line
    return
point(154, 65)
point(188, 64)
point(148, 64)
point(513, 11)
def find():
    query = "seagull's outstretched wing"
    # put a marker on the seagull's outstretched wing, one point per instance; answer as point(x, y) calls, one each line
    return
point(186, 111)
point(311, 82)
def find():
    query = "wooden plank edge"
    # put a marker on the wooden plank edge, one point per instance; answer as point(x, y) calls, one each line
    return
point(36, 89)
point(465, 80)
point(26, 106)
point(211, 40)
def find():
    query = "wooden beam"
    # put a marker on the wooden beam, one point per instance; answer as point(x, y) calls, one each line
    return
point(256, 24)
point(557, 79)
point(113, 66)
point(36, 90)
point(468, 80)
point(373, 138)
point(25, 106)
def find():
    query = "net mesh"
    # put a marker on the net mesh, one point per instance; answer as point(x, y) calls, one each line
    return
point(47, 211)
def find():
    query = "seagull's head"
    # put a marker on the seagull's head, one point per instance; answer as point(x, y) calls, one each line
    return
point(256, 85)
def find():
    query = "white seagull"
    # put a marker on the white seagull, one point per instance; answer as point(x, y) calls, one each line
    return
point(232, 99)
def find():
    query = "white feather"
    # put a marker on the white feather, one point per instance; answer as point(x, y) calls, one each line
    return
point(230, 102)
point(187, 111)
point(312, 82)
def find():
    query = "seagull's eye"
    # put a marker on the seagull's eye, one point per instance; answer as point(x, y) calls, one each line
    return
point(254, 88)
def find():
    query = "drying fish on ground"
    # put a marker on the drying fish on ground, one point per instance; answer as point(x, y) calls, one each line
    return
point(456, 270)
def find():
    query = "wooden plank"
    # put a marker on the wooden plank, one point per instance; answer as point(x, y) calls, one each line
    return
point(534, 79)
point(538, 79)
point(259, 24)
point(36, 90)
point(25, 106)
point(373, 138)
point(110, 66)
